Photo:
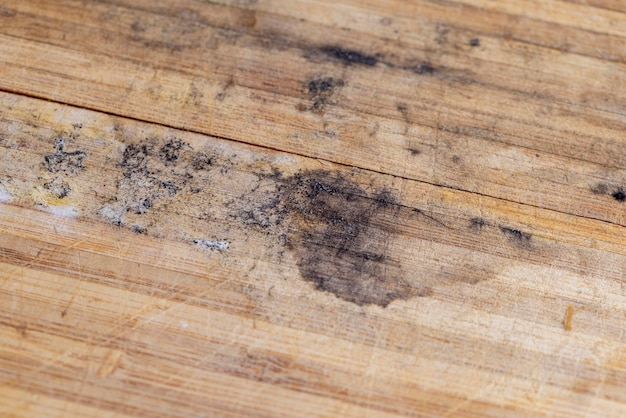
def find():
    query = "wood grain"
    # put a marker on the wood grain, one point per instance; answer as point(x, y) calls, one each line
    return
point(440, 126)
point(356, 208)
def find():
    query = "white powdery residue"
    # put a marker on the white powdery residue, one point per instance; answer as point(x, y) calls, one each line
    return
point(184, 324)
point(213, 245)
point(63, 211)
point(5, 195)
point(110, 214)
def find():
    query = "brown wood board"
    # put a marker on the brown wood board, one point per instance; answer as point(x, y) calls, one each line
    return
point(312, 208)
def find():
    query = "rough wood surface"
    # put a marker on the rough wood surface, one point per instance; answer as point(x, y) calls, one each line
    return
point(313, 208)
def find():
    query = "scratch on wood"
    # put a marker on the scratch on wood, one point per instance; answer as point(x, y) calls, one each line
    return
point(110, 363)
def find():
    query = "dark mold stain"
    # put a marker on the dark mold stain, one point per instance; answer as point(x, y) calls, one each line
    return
point(170, 187)
point(619, 195)
point(477, 223)
point(515, 235)
point(404, 111)
point(474, 42)
point(341, 236)
point(349, 56)
point(170, 152)
point(422, 68)
point(385, 199)
point(152, 170)
point(229, 85)
point(138, 229)
point(202, 161)
point(414, 151)
point(67, 161)
point(600, 188)
point(134, 156)
point(320, 91)
point(58, 187)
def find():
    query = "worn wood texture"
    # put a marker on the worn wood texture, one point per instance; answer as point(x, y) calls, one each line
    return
point(313, 208)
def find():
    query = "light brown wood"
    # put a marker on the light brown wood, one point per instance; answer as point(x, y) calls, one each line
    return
point(313, 208)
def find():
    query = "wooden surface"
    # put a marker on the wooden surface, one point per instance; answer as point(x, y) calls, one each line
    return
point(312, 208)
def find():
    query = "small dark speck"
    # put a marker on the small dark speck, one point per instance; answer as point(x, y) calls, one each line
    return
point(475, 42)
point(619, 195)
point(414, 152)
point(456, 159)
point(477, 223)
point(516, 235)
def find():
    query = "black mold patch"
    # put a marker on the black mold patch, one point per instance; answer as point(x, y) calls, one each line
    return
point(58, 187)
point(152, 171)
point(517, 236)
point(477, 223)
point(600, 188)
point(349, 56)
point(422, 68)
point(341, 235)
point(474, 42)
point(138, 229)
point(202, 161)
point(414, 151)
point(170, 151)
point(134, 155)
point(69, 162)
point(619, 195)
point(320, 91)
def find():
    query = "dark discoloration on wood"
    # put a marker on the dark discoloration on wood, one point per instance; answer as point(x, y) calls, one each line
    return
point(320, 92)
point(517, 236)
point(58, 187)
point(619, 195)
point(342, 238)
point(616, 192)
point(65, 161)
point(349, 56)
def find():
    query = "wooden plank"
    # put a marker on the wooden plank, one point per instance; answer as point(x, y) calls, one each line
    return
point(356, 208)
point(218, 297)
point(487, 120)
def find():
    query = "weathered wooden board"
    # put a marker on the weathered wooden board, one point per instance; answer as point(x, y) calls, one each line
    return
point(150, 257)
point(356, 208)
point(407, 96)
